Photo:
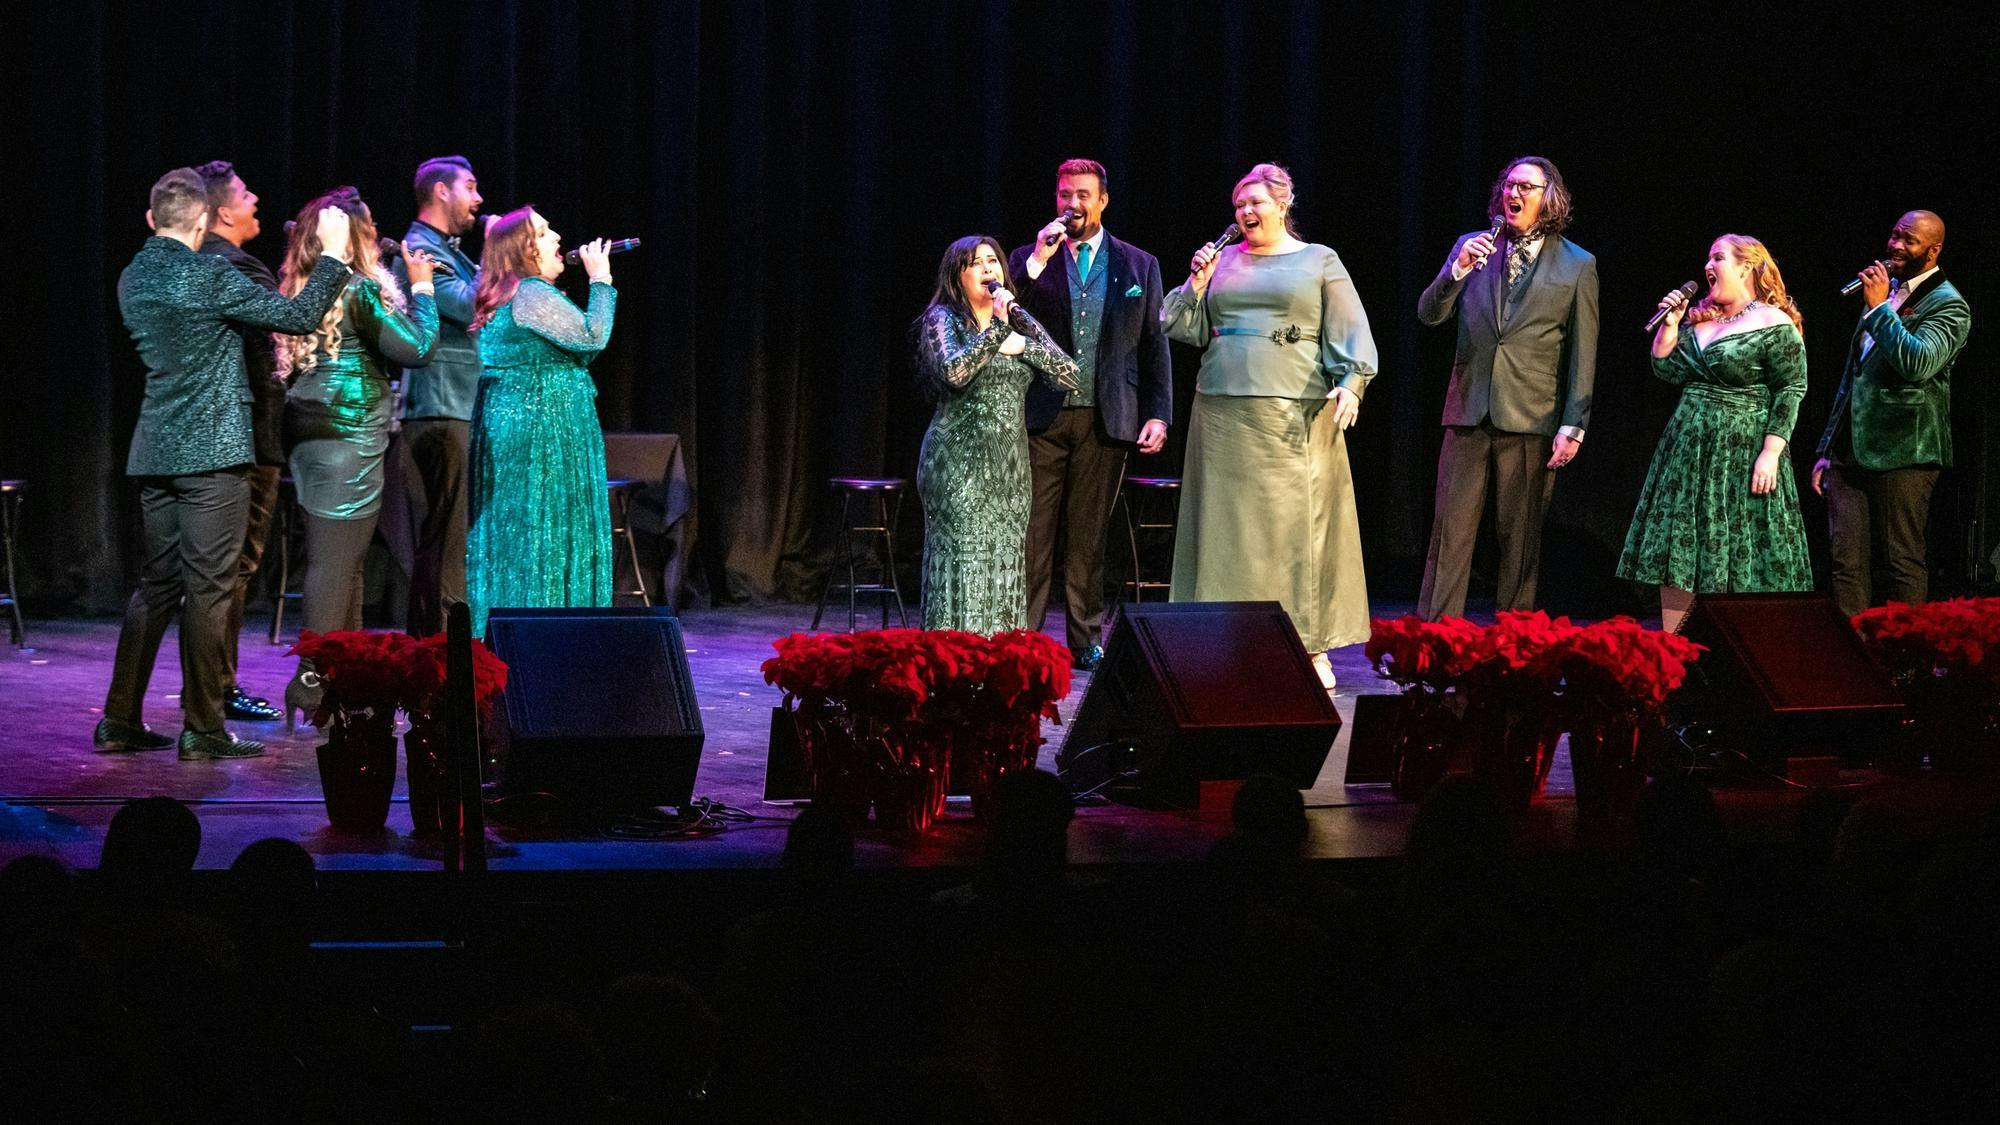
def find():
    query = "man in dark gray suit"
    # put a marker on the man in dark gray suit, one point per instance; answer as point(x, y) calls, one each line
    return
point(192, 451)
point(1521, 380)
point(438, 399)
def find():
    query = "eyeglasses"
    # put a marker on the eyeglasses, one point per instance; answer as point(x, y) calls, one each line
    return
point(1523, 188)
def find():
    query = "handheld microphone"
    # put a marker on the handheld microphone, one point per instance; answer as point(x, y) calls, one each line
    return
point(1230, 236)
point(1687, 293)
point(1068, 214)
point(618, 247)
point(1017, 317)
point(1493, 234)
point(1853, 286)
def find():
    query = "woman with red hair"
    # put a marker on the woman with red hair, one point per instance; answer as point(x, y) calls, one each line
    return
point(541, 529)
point(1719, 512)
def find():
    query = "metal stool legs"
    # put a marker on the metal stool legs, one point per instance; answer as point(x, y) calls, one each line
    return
point(621, 503)
point(888, 509)
point(10, 499)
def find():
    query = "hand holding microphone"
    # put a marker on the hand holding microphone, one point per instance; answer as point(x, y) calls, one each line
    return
point(1051, 236)
point(1478, 248)
point(596, 259)
point(1203, 264)
point(618, 247)
point(1672, 307)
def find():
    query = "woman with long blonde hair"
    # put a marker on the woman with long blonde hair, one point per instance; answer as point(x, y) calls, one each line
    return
point(541, 529)
point(337, 408)
point(1719, 512)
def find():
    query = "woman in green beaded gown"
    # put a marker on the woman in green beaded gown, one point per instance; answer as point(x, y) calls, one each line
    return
point(541, 528)
point(337, 409)
point(973, 472)
point(1719, 512)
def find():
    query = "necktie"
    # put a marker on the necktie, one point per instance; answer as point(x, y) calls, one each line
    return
point(1083, 261)
point(1517, 262)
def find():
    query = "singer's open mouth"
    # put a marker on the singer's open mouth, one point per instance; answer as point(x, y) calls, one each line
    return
point(1251, 223)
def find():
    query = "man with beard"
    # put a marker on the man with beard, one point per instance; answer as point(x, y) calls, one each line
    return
point(439, 398)
point(232, 221)
point(1890, 429)
point(1099, 297)
point(1521, 381)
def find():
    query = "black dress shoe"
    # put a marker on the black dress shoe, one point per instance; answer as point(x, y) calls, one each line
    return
point(121, 736)
point(1089, 659)
point(236, 705)
point(197, 744)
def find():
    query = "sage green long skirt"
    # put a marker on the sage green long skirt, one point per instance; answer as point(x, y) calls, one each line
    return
point(1267, 514)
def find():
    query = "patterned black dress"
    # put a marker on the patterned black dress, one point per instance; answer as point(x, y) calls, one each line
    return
point(1697, 526)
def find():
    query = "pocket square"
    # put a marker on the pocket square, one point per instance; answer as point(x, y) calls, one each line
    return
point(1135, 291)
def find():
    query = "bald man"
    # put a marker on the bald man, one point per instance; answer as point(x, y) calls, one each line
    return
point(1890, 430)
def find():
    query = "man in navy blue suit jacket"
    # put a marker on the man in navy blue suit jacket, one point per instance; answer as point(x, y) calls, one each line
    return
point(1099, 297)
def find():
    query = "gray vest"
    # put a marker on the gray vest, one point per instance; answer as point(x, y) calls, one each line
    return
point(1086, 322)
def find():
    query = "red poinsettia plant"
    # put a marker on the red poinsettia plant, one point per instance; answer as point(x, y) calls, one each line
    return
point(905, 701)
point(1617, 670)
point(1953, 644)
point(368, 675)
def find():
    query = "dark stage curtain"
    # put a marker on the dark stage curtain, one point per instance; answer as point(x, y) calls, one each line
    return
point(796, 170)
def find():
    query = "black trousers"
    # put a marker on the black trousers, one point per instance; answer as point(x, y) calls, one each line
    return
point(1876, 523)
point(1077, 473)
point(194, 539)
point(440, 450)
point(262, 501)
point(1517, 467)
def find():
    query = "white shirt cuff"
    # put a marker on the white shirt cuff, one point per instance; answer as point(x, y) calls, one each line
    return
point(1573, 433)
point(423, 287)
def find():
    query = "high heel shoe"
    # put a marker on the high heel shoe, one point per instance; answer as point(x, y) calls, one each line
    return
point(302, 695)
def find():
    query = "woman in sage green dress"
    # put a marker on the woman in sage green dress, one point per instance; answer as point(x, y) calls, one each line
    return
point(973, 473)
point(1719, 512)
point(337, 408)
point(1267, 498)
point(540, 530)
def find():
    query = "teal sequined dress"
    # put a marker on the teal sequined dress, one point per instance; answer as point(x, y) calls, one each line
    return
point(541, 527)
point(973, 472)
point(1698, 527)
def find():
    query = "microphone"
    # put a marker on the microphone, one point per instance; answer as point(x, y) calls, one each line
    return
point(1687, 293)
point(1014, 310)
point(1068, 214)
point(1230, 236)
point(1853, 286)
point(618, 247)
point(1492, 234)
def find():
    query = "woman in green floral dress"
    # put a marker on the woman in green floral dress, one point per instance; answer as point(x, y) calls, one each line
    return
point(973, 472)
point(1719, 512)
point(541, 529)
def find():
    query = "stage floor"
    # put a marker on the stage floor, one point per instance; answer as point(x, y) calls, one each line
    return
point(57, 793)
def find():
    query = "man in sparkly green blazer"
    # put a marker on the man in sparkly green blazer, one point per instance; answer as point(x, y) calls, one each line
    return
point(1890, 431)
point(191, 452)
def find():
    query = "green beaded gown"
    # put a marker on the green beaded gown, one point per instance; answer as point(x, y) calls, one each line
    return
point(541, 526)
point(1698, 527)
point(973, 473)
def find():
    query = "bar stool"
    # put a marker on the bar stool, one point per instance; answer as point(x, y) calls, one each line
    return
point(622, 490)
point(11, 492)
point(287, 527)
point(1152, 506)
point(888, 505)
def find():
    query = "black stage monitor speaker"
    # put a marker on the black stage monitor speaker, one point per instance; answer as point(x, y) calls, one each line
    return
point(1200, 691)
point(1785, 675)
point(600, 706)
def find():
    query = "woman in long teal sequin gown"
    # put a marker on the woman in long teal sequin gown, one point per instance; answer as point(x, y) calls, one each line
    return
point(338, 403)
point(541, 528)
point(973, 472)
point(1719, 512)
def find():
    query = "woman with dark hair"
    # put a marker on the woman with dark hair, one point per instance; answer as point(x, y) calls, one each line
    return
point(1267, 499)
point(1719, 512)
point(337, 410)
point(541, 529)
point(976, 352)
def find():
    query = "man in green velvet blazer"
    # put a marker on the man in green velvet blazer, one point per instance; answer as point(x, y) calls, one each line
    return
point(1890, 431)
